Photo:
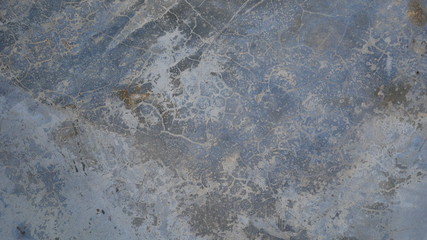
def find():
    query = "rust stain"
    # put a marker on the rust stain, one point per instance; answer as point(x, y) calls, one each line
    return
point(145, 96)
point(66, 44)
point(131, 99)
point(417, 13)
point(124, 96)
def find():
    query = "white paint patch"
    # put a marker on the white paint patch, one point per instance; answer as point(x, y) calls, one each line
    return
point(389, 65)
point(159, 72)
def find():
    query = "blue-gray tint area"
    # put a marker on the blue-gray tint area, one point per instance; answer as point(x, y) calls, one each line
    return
point(213, 119)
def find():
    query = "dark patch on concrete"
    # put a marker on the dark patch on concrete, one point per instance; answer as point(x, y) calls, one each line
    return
point(302, 235)
point(66, 132)
point(390, 186)
point(253, 232)
point(376, 207)
point(393, 94)
point(138, 221)
point(21, 231)
point(215, 216)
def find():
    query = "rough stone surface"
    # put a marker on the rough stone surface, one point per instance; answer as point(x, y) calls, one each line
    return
point(213, 119)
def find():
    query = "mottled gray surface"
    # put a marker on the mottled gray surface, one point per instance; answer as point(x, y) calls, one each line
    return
point(213, 119)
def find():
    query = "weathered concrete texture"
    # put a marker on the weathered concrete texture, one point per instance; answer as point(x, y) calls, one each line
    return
point(213, 119)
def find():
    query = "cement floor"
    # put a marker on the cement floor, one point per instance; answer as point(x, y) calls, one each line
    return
point(213, 119)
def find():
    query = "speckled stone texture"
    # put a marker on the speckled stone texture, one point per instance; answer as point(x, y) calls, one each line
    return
point(213, 119)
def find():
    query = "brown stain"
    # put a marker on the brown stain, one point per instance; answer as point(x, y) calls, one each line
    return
point(145, 96)
point(417, 13)
point(130, 99)
point(68, 45)
point(124, 96)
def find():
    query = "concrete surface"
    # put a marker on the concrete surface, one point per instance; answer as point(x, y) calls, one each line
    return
point(213, 119)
